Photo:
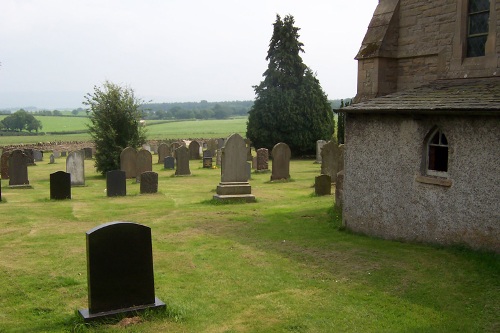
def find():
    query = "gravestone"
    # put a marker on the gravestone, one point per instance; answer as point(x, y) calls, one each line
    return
point(88, 153)
point(194, 150)
point(154, 148)
point(262, 159)
point(18, 169)
point(220, 143)
point(212, 146)
point(5, 164)
point(174, 146)
point(116, 183)
point(52, 159)
point(60, 185)
point(56, 153)
point(146, 147)
point(31, 155)
point(218, 157)
point(75, 166)
point(330, 156)
point(37, 155)
point(169, 162)
point(144, 163)
point(339, 189)
point(163, 151)
point(128, 162)
point(207, 159)
point(149, 182)
point(249, 149)
point(234, 172)
point(323, 185)
point(63, 154)
point(182, 161)
point(281, 161)
point(254, 162)
point(319, 146)
point(120, 275)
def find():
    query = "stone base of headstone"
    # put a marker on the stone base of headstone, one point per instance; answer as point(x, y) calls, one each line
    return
point(88, 317)
point(20, 186)
point(234, 192)
point(263, 171)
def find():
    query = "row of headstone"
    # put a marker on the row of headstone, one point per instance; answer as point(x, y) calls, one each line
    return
point(116, 183)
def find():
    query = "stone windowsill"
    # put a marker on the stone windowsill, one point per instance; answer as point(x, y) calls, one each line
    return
point(434, 181)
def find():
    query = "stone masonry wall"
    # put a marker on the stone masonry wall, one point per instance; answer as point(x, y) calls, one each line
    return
point(382, 196)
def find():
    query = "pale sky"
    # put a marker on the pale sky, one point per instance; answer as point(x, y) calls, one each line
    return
point(53, 52)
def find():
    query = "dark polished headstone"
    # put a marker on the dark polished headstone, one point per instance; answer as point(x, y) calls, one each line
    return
point(169, 162)
point(116, 185)
point(119, 270)
point(60, 185)
point(18, 169)
point(149, 182)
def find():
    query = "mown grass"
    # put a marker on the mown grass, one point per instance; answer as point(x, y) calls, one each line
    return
point(282, 264)
point(155, 130)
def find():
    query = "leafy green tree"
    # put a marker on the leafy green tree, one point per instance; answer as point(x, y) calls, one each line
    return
point(21, 120)
point(290, 105)
point(115, 116)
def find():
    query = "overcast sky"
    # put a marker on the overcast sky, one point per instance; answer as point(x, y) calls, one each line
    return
point(53, 52)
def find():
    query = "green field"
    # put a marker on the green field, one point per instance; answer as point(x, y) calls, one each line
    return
point(156, 130)
point(282, 264)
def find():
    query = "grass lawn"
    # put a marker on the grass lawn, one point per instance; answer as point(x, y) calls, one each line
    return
point(282, 264)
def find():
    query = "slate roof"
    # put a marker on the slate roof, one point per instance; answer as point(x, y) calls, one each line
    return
point(478, 96)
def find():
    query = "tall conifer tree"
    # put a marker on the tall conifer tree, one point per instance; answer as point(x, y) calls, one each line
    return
point(290, 105)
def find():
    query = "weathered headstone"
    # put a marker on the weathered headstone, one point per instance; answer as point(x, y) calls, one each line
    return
point(128, 162)
point(149, 182)
point(323, 185)
point(339, 189)
point(52, 159)
point(212, 146)
point(88, 153)
point(218, 157)
point(144, 163)
point(60, 185)
point(120, 273)
point(18, 169)
point(169, 162)
point(319, 146)
point(56, 153)
point(249, 149)
point(5, 164)
point(163, 151)
point(30, 155)
point(281, 161)
point(37, 155)
point(63, 154)
point(194, 150)
point(207, 159)
point(174, 146)
point(234, 171)
point(330, 155)
point(220, 143)
point(75, 166)
point(262, 159)
point(146, 147)
point(182, 162)
point(116, 183)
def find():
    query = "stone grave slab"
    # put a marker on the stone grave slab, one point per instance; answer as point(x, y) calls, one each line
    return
point(149, 182)
point(128, 162)
point(144, 163)
point(323, 185)
point(116, 185)
point(75, 166)
point(182, 162)
point(281, 161)
point(18, 169)
point(60, 185)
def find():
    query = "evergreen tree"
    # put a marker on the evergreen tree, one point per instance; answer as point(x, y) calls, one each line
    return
point(114, 124)
point(290, 105)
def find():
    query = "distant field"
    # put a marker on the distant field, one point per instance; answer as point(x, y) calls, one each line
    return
point(155, 129)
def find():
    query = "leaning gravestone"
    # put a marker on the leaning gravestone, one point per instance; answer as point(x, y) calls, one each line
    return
point(18, 169)
point(116, 183)
point(323, 185)
point(194, 150)
point(182, 161)
point(330, 155)
point(234, 172)
point(128, 162)
point(262, 159)
point(5, 164)
point(144, 163)
point(169, 162)
point(163, 151)
point(281, 161)
point(120, 273)
point(60, 185)
point(319, 146)
point(75, 166)
point(149, 182)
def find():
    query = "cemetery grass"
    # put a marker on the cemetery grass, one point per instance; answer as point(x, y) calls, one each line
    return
point(282, 264)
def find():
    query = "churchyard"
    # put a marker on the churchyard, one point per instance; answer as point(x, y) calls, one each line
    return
point(280, 264)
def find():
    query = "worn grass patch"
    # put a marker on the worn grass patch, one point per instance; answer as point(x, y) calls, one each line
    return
point(282, 264)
